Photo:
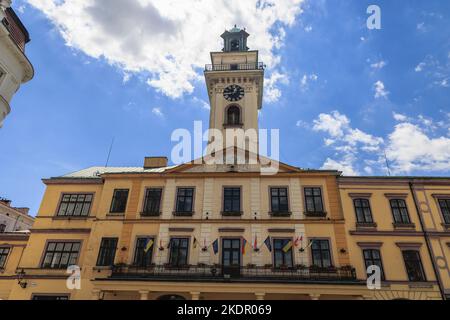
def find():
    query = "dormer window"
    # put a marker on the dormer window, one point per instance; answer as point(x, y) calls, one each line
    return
point(234, 116)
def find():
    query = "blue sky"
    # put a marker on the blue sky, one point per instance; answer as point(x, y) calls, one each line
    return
point(342, 95)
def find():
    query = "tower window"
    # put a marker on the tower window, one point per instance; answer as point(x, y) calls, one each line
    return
point(233, 115)
point(234, 45)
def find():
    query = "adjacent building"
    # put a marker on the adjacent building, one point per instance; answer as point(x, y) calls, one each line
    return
point(15, 68)
point(227, 231)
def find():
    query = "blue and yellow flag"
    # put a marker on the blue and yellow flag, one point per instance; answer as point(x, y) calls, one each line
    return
point(268, 243)
point(149, 244)
point(215, 246)
point(287, 247)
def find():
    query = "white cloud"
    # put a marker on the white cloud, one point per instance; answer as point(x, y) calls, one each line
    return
point(410, 149)
point(334, 124)
point(346, 166)
point(306, 79)
point(380, 90)
point(420, 67)
point(399, 117)
point(379, 65)
point(158, 112)
point(202, 103)
point(272, 92)
point(167, 39)
point(308, 28)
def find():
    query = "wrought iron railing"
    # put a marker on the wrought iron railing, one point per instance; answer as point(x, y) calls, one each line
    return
point(247, 273)
point(235, 67)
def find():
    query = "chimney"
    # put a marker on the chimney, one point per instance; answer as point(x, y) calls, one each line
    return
point(23, 210)
point(155, 162)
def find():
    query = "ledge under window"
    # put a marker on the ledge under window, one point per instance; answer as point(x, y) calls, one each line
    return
point(404, 225)
point(366, 225)
point(239, 125)
point(315, 214)
point(183, 214)
point(150, 214)
point(232, 214)
point(71, 217)
point(280, 214)
point(446, 226)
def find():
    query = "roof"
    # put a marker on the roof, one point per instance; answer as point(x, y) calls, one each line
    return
point(95, 172)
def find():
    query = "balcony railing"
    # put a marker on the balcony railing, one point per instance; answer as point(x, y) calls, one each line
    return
point(235, 67)
point(218, 273)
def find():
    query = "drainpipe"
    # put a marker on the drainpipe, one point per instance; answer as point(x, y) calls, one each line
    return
point(427, 241)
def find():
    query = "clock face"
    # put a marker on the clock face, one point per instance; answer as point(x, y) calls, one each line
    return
point(233, 93)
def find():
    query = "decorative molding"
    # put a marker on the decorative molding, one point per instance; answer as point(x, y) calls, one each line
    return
point(81, 230)
point(369, 245)
point(409, 245)
point(396, 195)
point(231, 230)
point(405, 233)
point(360, 195)
point(281, 230)
point(440, 196)
point(181, 229)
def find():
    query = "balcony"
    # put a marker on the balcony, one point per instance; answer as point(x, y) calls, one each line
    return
point(16, 29)
point(218, 273)
point(235, 67)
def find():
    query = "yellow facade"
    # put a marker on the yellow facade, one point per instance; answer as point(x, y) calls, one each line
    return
point(226, 231)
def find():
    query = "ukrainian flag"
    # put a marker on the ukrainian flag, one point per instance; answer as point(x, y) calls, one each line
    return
point(287, 247)
point(149, 245)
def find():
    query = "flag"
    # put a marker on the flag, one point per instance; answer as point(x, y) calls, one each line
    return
point(215, 246)
point(310, 243)
point(149, 244)
point(268, 244)
point(244, 243)
point(255, 244)
point(298, 240)
point(288, 246)
point(195, 242)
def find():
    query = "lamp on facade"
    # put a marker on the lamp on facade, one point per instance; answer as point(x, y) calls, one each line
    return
point(20, 279)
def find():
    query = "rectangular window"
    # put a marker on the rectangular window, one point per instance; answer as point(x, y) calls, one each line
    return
point(185, 200)
point(3, 256)
point(313, 200)
point(372, 257)
point(119, 201)
point(232, 200)
point(60, 255)
point(179, 252)
point(152, 202)
point(363, 212)
point(279, 200)
point(75, 205)
point(2, 228)
point(142, 254)
point(107, 252)
point(321, 255)
point(400, 211)
point(282, 257)
point(445, 209)
point(413, 265)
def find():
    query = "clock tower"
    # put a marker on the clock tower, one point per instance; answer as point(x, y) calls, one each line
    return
point(234, 81)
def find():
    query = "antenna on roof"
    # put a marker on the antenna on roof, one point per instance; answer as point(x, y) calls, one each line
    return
point(109, 153)
point(387, 164)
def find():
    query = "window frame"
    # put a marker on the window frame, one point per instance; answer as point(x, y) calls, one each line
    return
point(305, 196)
point(185, 213)
point(291, 252)
point(170, 264)
point(363, 208)
point(443, 215)
point(150, 253)
point(3, 228)
point(231, 212)
point(398, 201)
point(233, 107)
point(70, 194)
point(113, 209)
point(57, 242)
point(112, 255)
point(4, 256)
point(321, 250)
point(422, 269)
point(279, 212)
point(371, 249)
point(144, 205)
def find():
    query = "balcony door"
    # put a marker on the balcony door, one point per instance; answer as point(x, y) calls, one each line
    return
point(231, 257)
